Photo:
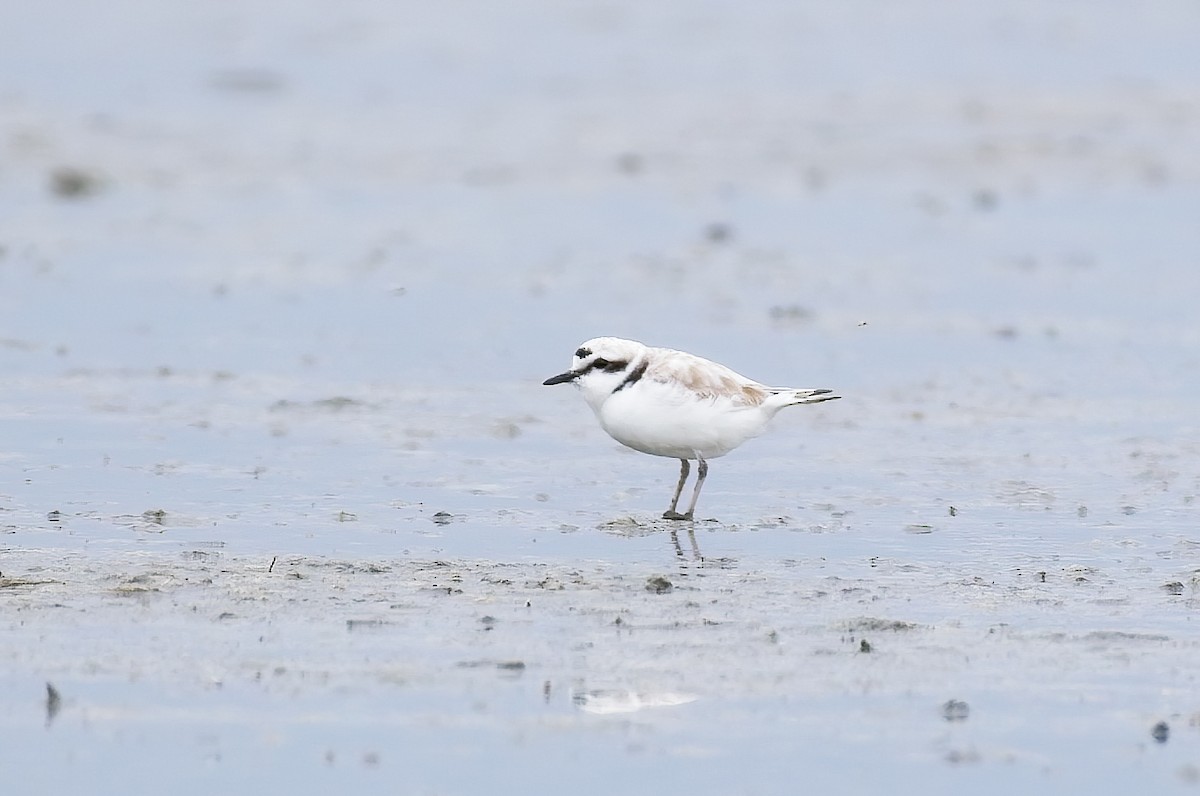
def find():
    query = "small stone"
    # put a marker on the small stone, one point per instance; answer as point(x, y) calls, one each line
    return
point(53, 702)
point(1161, 732)
point(790, 314)
point(71, 183)
point(630, 163)
point(955, 710)
point(985, 199)
point(658, 584)
point(718, 232)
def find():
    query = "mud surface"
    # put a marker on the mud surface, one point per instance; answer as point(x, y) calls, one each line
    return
point(285, 508)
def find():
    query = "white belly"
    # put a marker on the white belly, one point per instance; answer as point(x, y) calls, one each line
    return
point(658, 422)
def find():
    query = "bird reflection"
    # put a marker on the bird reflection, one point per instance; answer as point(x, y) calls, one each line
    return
point(696, 556)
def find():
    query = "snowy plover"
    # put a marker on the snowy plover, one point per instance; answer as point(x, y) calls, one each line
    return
point(671, 403)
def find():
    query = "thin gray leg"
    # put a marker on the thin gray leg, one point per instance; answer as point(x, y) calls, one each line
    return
point(702, 472)
point(671, 513)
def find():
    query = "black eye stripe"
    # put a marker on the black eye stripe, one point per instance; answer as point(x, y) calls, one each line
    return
point(600, 363)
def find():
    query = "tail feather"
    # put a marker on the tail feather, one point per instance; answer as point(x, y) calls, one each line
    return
point(791, 397)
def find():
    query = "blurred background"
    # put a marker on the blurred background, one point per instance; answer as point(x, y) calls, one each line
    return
point(965, 213)
point(446, 194)
point(978, 223)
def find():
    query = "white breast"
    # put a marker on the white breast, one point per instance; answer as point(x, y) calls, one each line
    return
point(663, 419)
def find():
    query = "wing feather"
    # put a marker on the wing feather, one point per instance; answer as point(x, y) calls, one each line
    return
point(705, 379)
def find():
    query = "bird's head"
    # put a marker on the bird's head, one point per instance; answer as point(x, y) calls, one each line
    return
point(602, 365)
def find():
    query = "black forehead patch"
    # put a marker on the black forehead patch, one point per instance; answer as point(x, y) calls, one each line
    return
point(583, 353)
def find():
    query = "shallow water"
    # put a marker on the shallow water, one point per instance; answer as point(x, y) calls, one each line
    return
point(286, 507)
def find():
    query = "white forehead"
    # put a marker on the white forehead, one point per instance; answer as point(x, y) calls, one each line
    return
point(611, 348)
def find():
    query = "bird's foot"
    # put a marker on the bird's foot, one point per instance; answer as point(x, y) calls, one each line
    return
point(675, 515)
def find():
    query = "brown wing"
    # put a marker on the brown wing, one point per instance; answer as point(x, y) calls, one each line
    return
point(704, 378)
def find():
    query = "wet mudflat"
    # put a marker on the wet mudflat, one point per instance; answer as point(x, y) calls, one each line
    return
point(243, 624)
point(285, 508)
point(433, 673)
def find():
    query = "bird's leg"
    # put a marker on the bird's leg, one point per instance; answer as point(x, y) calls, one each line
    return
point(701, 472)
point(671, 513)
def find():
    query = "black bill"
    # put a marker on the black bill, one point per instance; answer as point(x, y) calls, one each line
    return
point(561, 378)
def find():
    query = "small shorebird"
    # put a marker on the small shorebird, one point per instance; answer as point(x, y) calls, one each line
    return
point(672, 403)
